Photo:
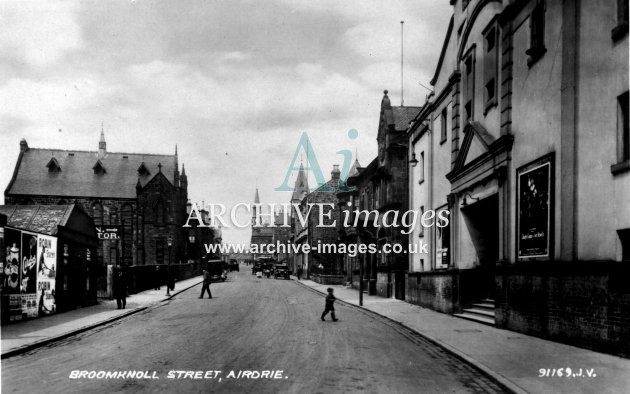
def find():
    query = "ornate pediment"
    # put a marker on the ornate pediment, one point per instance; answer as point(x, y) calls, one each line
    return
point(476, 142)
point(479, 152)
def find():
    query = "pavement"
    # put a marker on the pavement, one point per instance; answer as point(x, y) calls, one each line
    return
point(22, 336)
point(515, 360)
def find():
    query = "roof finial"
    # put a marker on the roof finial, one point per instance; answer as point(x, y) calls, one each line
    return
point(160, 167)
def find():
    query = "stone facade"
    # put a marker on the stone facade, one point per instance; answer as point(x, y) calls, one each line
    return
point(131, 191)
point(520, 92)
point(383, 186)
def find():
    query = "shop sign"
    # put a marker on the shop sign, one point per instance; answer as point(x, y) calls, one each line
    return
point(108, 232)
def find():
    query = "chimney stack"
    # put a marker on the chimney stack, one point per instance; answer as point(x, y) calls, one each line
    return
point(335, 174)
point(23, 145)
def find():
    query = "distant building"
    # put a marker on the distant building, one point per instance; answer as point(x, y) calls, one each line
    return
point(137, 200)
point(322, 265)
point(300, 190)
point(383, 186)
point(262, 232)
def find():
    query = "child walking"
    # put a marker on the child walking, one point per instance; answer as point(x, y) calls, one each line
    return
point(330, 300)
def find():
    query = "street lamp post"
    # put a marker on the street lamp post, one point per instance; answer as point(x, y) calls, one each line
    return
point(169, 242)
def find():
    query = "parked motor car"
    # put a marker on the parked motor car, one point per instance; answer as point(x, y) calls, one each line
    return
point(233, 265)
point(257, 267)
point(281, 271)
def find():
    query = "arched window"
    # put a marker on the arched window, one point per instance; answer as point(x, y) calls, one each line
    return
point(126, 220)
point(97, 213)
point(160, 213)
point(113, 216)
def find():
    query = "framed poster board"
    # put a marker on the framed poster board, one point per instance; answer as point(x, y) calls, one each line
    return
point(534, 209)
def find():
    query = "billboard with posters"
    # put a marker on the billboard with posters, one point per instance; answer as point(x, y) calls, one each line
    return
point(46, 274)
point(11, 272)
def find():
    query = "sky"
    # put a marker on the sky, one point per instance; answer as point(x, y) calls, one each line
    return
point(233, 83)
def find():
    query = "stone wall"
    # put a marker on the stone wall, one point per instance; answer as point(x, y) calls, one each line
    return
point(581, 303)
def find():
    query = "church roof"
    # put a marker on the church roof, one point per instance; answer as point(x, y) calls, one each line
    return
point(399, 117)
point(76, 177)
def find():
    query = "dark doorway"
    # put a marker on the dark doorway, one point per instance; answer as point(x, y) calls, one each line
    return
point(482, 220)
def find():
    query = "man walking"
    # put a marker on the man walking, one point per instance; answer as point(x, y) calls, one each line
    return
point(330, 300)
point(206, 284)
point(299, 273)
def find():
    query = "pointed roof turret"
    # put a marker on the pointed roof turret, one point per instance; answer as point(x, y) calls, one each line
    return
point(256, 197)
point(102, 145)
point(301, 185)
point(354, 170)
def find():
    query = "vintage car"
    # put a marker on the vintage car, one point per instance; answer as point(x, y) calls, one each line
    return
point(216, 269)
point(233, 265)
point(257, 267)
point(281, 271)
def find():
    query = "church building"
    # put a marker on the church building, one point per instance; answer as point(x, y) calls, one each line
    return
point(137, 200)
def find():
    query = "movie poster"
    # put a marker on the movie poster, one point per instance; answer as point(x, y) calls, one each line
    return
point(46, 274)
point(534, 211)
point(11, 272)
point(29, 263)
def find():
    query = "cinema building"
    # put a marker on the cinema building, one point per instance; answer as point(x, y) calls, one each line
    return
point(525, 141)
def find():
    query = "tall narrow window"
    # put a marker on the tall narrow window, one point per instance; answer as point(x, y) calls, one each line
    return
point(622, 102)
point(159, 251)
point(623, 136)
point(421, 227)
point(421, 167)
point(97, 214)
point(621, 30)
point(537, 33)
point(443, 125)
point(159, 213)
point(469, 86)
point(490, 68)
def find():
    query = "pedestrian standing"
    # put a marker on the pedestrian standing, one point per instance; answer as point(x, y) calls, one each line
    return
point(330, 300)
point(169, 281)
point(120, 288)
point(206, 284)
point(299, 273)
point(157, 278)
